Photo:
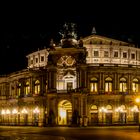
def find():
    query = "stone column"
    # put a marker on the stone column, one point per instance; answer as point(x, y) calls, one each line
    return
point(129, 84)
point(52, 79)
point(82, 77)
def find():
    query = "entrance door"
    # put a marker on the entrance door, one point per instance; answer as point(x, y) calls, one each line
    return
point(136, 117)
point(122, 118)
point(64, 112)
point(94, 118)
point(108, 118)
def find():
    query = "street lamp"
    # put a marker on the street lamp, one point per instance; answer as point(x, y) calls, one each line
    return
point(137, 101)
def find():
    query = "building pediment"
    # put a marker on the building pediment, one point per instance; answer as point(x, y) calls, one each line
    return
point(96, 39)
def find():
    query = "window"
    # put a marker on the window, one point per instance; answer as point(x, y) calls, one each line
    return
point(108, 84)
point(19, 89)
point(12, 91)
point(115, 54)
point(124, 55)
point(36, 60)
point(93, 85)
point(135, 86)
point(42, 58)
point(132, 56)
point(31, 61)
point(69, 85)
point(96, 53)
point(123, 87)
point(139, 55)
point(37, 87)
point(106, 54)
point(27, 88)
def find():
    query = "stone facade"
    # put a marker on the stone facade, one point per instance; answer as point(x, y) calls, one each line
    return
point(93, 82)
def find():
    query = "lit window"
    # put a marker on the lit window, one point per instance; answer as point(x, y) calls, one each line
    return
point(37, 87)
point(135, 86)
point(27, 88)
point(19, 89)
point(108, 84)
point(96, 53)
point(93, 85)
point(123, 86)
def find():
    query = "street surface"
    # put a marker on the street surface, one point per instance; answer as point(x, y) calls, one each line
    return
point(69, 133)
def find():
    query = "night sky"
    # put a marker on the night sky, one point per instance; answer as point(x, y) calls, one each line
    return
point(25, 29)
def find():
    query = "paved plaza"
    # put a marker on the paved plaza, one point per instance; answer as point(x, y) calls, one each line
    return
point(70, 133)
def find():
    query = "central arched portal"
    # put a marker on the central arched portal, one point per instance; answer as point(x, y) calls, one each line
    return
point(64, 112)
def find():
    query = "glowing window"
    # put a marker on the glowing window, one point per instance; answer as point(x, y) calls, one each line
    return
point(135, 85)
point(27, 88)
point(19, 89)
point(93, 85)
point(108, 84)
point(123, 86)
point(37, 87)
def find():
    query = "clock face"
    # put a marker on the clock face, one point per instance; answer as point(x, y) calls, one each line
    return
point(66, 60)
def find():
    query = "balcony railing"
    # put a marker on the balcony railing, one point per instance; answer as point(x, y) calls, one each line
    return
point(66, 91)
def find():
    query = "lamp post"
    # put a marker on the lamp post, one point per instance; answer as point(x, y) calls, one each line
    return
point(137, 101)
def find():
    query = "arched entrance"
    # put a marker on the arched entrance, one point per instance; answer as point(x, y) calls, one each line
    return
point(64, 112)
point(93, 115)
point(109, 114)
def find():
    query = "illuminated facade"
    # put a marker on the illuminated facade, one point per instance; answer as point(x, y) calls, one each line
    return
point(92, 81)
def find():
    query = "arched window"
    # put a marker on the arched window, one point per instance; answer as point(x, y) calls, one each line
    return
point(108, 84)
point(37, 87)
point(19, 89)
point(27, 88)
point(135, 87)
point(109, 108)
point(123, 86)
point(94, 107)
point(93, 85)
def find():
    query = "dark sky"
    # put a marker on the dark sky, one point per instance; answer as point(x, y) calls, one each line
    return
point(26, 27)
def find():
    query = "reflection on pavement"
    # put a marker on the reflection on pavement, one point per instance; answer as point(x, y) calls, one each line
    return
point(34, 138)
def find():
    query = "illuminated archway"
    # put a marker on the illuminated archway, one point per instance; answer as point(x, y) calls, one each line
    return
point(64, 112)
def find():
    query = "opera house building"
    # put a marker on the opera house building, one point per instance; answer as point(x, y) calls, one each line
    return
point(91, 81)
